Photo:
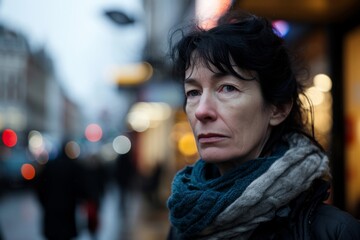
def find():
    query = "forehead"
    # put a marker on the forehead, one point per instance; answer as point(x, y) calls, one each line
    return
point(198, 63)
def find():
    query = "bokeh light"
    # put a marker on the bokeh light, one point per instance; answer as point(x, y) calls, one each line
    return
point(145, 115)
point(9, 137)
point(132, 74)
point(93, 132)
point(187, 144)
point(72, 150)
point(27, 171)
point(282, 27)
point(122, 144)
point(43, 158)
point(36, 142)
point(322, 82)
point(138, 121)
point(209, 11)
point(315, 95)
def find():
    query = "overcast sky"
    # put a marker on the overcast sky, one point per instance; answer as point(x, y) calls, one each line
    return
point(83, 43)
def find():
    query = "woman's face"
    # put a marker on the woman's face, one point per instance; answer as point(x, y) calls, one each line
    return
point(228, 116)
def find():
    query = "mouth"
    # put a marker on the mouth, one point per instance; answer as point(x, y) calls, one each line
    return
point(210, 138)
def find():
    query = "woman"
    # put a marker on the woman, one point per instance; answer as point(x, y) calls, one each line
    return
point(261, 174)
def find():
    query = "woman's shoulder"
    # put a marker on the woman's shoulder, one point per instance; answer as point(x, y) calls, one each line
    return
point(329, 222)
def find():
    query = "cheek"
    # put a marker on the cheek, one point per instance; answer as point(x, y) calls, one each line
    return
point(190, 112)
point(248, 123)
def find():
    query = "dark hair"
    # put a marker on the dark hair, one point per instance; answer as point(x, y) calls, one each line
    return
point(252, 44)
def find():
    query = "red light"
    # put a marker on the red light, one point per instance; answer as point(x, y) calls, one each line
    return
point(93, 132)
point(27, 171)
point(9, 138)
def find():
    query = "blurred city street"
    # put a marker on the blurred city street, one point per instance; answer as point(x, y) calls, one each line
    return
point(21, 216)
point(91, 110)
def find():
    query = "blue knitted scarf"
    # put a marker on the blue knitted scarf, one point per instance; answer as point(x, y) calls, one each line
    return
point(197, 199)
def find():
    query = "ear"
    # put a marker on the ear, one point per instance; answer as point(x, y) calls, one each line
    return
point(279, 113)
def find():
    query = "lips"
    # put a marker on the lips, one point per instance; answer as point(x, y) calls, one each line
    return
point(210, 138)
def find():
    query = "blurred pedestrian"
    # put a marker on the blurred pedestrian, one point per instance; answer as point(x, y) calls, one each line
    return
point(262, 174)
point(95, 181)
point(60, 187)
point(151, 185)
point(126, 177)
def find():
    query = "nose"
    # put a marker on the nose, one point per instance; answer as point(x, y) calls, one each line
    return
point(206, 108)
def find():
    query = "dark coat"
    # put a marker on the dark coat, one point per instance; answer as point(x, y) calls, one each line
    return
point(309, 218)
point(60, 187)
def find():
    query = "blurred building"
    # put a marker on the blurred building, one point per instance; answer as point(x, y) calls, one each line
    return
point(14, 60)
point(31, 100)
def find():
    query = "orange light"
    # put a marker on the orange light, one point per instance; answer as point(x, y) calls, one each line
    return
point(27, 171)
point(187, 144)
point(132, 74)
point(93, 132)
point(9, 138)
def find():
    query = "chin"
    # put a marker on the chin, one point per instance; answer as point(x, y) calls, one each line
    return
point(214, 157)
point(221, 156)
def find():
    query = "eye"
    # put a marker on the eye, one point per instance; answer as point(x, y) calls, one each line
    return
point(119, 17)
point(192, 93)
point(228, 88)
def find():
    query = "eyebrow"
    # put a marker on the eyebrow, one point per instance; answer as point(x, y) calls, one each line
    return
point(214, 76)
point(220, 75)
point(189, 80)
